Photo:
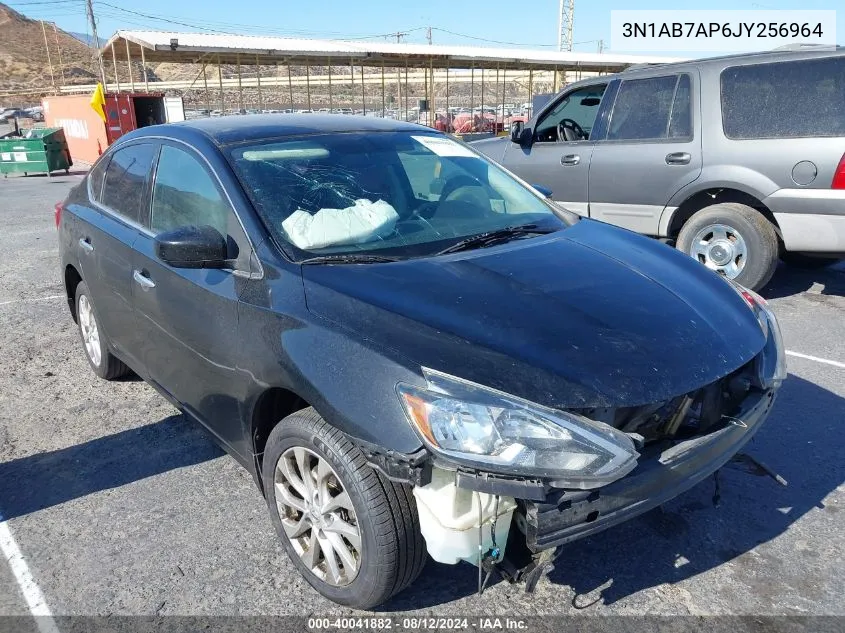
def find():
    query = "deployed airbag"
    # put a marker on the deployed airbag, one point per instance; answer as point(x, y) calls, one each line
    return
point(364, 221)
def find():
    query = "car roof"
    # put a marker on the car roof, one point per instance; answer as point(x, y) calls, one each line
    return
point(233, 129)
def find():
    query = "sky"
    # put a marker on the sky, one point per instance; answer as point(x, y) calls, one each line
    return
point(531, 24)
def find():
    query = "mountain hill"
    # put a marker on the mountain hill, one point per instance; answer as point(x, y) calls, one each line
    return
point(87, 39)
point(23, 55)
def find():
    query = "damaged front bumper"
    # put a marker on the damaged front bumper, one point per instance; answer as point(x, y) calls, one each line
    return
point(662, 474)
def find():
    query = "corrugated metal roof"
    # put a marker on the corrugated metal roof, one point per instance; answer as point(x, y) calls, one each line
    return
point(254, 49)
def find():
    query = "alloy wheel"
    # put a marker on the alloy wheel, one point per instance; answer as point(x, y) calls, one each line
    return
point(720, 248)
point(90, 331)
point(317, 516)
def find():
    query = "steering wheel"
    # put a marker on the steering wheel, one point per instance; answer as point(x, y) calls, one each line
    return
point(467, 190)
point(569, 130)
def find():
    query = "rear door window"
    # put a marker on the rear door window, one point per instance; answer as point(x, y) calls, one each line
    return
point(793, 99)
point(126, 178)
point(651, 109)
point(96, 178)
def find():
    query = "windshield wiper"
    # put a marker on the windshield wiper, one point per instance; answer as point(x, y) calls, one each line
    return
point(491, 237)
point(350, 258)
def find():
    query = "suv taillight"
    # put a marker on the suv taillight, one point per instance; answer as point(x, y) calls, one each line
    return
point(839, 175)
point(58, 212)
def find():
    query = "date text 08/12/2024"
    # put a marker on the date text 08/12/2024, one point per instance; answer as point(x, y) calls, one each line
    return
point(411, 623)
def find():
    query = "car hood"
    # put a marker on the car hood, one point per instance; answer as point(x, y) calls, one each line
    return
point(492, 147)
point(590, 316)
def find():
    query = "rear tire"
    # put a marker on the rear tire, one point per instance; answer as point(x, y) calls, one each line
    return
point(734, 240)
point(391, 551)
point(800, 260)
point(94, 339)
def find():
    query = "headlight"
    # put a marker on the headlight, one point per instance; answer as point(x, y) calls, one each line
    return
point(771, 363)
point(483, 427)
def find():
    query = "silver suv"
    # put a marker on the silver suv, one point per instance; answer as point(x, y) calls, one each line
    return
point(736, 160)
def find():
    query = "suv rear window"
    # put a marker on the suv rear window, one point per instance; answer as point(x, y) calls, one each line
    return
point(784, 99)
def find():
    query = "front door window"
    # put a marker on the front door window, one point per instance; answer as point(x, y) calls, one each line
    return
point(572, 118)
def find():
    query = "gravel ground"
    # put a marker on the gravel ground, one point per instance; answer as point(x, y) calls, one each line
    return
point(121, 507)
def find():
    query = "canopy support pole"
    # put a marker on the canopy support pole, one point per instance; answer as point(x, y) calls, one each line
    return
point(114, 63)
point(240, 86)
point(290, 86)
point(258, 79)
point(129, 63)
point(504, 95)
point(220, 83)
point(472, 97)
point(329, 66)
point(363, 92)
point(447, 97)
point(426, 97)
point(432, 106)
point(205, 85)
point(308, 83)
point(531, 90)
point(144, 69)
point(483, 118)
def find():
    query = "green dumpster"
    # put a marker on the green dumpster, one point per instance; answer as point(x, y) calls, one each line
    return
point(38, 150)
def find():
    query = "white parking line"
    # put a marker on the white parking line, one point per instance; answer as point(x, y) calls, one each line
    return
point(826, 361)
point(50, 298)
point(31, 592)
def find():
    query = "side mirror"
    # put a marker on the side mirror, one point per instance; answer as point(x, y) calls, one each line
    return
point(517, 128)
point(192, 247)
point(545, 191)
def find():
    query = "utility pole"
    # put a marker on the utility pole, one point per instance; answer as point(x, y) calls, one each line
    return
point(89, 9)
point(566, 25)
point(428, 35)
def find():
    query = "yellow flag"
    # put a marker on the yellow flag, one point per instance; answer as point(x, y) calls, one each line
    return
point(98, 101)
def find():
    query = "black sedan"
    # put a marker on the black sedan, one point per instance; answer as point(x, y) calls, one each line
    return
point(412, 351)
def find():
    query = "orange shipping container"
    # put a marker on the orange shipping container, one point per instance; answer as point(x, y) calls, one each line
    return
point(88, 136)
point(84, 130)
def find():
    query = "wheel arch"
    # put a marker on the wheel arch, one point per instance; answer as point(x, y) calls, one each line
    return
point(72, 279)
point(271, 407)
point(676, 219)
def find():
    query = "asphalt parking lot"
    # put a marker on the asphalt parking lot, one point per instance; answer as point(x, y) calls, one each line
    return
point(118, 506)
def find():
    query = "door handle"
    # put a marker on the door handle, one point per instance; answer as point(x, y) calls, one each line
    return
point(678, 158)
point(86, 245)
point(570, 159)
point(145, 282)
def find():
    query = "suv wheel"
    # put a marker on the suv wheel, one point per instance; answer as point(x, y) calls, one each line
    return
point(734, 240)
point(353, 534)
point(800, 260)
point(94, 340)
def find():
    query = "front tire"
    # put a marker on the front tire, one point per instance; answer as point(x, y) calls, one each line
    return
point(353, 534)
point(94, 340)
point(734, 240)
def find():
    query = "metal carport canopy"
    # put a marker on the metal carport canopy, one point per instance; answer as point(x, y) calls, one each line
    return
point(192, 48)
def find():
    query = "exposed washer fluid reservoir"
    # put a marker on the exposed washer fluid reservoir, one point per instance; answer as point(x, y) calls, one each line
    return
point(449, 519)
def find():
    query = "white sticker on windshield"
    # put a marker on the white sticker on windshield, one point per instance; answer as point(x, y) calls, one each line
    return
point(443, 146)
